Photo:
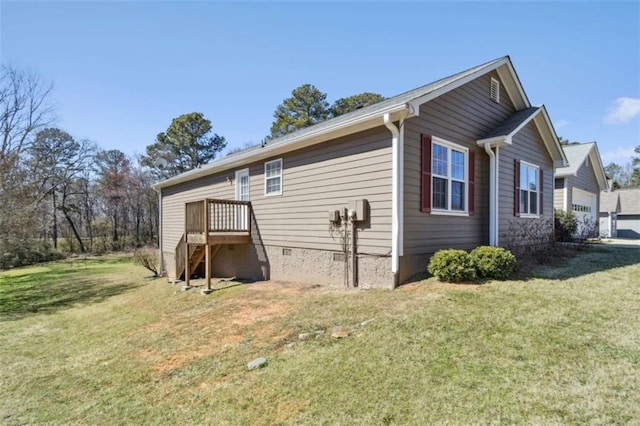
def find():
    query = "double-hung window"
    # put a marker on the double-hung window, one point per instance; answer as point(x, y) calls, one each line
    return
point(273, 177)
point(449, 177)
point(529, 189)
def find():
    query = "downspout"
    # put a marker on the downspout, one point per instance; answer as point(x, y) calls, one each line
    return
point(496, 201)
point(396, 195)
point(161, 259)
point(492, 194)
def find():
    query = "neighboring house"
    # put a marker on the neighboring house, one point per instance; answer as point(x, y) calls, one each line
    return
point(367, 197)
point(609, 209)
point(577, 186)
point(623, 210)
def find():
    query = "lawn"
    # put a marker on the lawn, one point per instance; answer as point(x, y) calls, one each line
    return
point(96, 341)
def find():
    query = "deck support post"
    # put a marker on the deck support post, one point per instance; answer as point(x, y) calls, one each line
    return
point(207, 265)
point(187, 266)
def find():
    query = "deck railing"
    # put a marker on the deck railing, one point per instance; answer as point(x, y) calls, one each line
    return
point(217, 216)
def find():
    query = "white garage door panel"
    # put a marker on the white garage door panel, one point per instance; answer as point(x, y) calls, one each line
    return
point(629, 226)
point(583, 204)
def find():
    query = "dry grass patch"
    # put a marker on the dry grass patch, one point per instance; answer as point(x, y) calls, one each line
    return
point(560, 347)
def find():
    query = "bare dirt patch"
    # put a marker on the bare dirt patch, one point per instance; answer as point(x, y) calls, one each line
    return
point(256, 316)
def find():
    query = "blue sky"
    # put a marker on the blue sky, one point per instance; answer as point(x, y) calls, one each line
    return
point(123, 70)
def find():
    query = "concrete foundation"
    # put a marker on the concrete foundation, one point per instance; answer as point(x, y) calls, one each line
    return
point(323, 267)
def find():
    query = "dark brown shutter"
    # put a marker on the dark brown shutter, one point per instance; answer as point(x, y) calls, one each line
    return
point(516, 195)
point(425, 187)
point(541, 192)
point(472, 182)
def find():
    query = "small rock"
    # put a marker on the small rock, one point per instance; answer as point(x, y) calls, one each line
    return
point(305, 336)
point(340, 334)
point(257, 363)
point(364, 323)
point(186, 288)
point(290, 345)
point(206, 291)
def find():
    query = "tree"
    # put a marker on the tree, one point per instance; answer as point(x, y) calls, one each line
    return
point(636, 160)
point(186, 145)
point(566, 142)
point(24, 109)
point(634, 180)
point(246, 146)
point(57, 160)
point(306, 106)
point(113, 168)
point(618, 174)
point(351, 103)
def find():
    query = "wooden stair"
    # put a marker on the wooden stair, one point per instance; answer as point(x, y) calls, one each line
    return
point(197, 254)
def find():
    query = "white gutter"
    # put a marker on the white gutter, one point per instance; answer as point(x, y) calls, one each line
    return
point(395, 197)
point(493, 205)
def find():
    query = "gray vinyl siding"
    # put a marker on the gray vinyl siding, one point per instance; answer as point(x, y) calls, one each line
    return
point(585, 180)
point(461, 116)
point(558, 193)
point(527, 146)
point(314, 180)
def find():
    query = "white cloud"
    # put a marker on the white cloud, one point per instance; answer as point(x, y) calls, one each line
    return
point(560, 124)
point(620, 156)
point(623, 110)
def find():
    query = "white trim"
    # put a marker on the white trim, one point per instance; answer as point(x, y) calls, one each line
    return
point(537, 191)
point(566, 194)
point(497, 200)
point(395, 196)
point(161, 257)
point(521, 103)
point(279, 192)
point(447, 213)
point(492, 194)
point(451, 146)
point(400, 178)
point(237, 189)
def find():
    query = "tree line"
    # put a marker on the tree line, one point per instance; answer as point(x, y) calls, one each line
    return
point(63, 194)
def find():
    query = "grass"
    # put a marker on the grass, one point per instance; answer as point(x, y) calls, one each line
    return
point(94, 342)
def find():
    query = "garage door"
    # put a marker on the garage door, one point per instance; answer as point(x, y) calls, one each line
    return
point(583, 204)
point(629, 226)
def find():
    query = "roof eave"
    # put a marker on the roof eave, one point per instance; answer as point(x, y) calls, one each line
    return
point(323, 134)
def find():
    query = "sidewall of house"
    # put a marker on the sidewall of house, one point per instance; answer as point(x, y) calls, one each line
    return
point(527, 145)
point(292, 238)
point(461, 116)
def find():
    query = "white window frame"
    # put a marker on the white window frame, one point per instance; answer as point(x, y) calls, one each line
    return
point(497, 84)
point(465, 197)
point(266, 179)
point(537, 191)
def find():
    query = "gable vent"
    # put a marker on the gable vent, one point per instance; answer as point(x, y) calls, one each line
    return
point(495, 90)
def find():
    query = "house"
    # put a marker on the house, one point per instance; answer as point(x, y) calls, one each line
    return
point(609, 209)
point(367, 197)
point(622, 210)
point(577, 185)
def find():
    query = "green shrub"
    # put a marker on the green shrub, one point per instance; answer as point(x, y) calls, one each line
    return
point(565, 225)
point(452, 265)
point(493, 262)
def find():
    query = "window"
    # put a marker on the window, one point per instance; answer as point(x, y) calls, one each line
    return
point(529, 190)
point(273, 177)
point(495, 90)
point(449, 176)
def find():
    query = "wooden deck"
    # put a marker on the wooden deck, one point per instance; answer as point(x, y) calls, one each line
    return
point(210, 223)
